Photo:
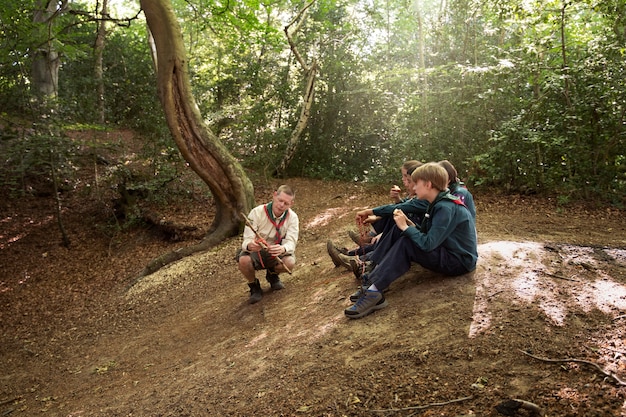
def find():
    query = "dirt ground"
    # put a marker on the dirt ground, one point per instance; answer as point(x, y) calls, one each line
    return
point(542, 319)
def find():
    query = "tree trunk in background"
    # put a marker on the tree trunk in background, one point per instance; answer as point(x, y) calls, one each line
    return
point(98, 52)
point(207, 156)
point(45, 66)
point(311, 71)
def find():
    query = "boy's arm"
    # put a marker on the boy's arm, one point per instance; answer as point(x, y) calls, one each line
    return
point(442, 226)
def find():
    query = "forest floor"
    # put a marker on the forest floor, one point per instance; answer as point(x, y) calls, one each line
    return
point(542, 319)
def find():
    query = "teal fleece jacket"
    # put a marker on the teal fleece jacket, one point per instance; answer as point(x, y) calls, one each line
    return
point(410, 206)
point(450, 225)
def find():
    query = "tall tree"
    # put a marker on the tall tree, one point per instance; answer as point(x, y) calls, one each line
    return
point(45, 66)
point(230, 186)
point(310, 70)
point(98, 50)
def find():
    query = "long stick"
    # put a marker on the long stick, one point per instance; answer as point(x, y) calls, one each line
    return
point(261, 241)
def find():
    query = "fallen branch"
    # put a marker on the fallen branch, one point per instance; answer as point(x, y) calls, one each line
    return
point(592, 364)
point(422, 407)
point(550, 274)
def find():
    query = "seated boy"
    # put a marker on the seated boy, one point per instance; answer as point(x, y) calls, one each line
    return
point(445, 242)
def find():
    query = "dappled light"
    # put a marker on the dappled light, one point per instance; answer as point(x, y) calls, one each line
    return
point(559, 280)
point(13, 230)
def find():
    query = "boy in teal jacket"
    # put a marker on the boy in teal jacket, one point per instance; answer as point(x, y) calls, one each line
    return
point(445, 242)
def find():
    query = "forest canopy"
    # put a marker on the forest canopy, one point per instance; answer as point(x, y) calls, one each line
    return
point(522, 96)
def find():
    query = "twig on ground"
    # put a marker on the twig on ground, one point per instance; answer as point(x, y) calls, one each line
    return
point(592, 364)
point(12, 400)
point(550, 274)
point(421, 407)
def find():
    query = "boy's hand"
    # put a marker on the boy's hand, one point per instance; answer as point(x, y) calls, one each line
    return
point(401, 220)
point(394, 193)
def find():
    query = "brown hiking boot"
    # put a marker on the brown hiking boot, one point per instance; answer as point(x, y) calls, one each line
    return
point(256, 293)
point(339, 259)
point(358, 239)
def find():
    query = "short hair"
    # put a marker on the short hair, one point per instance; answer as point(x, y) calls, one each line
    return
point(409, 166)
point(432, 172)
point(286, 189)
point(453, 176)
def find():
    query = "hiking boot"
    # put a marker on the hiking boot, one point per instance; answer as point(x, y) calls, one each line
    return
point(354, 297)
point(358, 267)
point(358, 239)
point(256, 293)
point(274, 280)
point(339, 259)
point(369, 301)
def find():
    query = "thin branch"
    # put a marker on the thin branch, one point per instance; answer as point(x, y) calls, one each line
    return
point(550, 274)
point(592, 364)
point(292, 44)
point(422, 407)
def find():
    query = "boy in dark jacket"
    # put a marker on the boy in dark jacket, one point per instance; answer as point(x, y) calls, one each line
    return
point(445, 242)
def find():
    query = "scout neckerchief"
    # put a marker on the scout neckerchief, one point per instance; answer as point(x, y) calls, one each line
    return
point(270, 215)
point(444, 195)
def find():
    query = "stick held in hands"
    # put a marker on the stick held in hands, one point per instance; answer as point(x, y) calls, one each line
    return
point(261, 240)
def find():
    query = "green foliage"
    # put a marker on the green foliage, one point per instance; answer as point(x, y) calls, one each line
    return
point(523, 96)
point(34, 158)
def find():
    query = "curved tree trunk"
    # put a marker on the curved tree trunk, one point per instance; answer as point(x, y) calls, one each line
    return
point(207, 156)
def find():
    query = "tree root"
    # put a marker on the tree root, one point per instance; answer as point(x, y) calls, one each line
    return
point(592, 364)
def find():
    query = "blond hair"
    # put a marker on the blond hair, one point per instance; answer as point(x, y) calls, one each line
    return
point(432, 172)
point(285, 189)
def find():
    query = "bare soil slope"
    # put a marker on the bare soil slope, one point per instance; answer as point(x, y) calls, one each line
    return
point(77, 340)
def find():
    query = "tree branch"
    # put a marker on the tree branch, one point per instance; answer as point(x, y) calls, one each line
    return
point(592, 364)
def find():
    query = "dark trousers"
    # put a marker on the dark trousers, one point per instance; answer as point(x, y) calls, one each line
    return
point(397, 261)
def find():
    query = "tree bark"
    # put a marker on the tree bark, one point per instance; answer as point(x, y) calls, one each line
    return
point(311, 71)
point(45, 66)
point(207, 156)
point(101, 35)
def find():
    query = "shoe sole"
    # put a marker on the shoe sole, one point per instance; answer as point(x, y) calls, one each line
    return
point(381, 304)
point(356, 269)
point(335, 258)
point(356, 238)
point(254, 300)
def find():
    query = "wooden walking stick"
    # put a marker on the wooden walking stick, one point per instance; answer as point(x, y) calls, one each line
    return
point(262, 241)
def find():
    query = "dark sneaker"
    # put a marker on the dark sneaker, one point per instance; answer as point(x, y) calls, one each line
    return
point(354, 297)
point(256, 293)
point(358, 239)
point(274, 280)
point(369, 301)
point(339, 259)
